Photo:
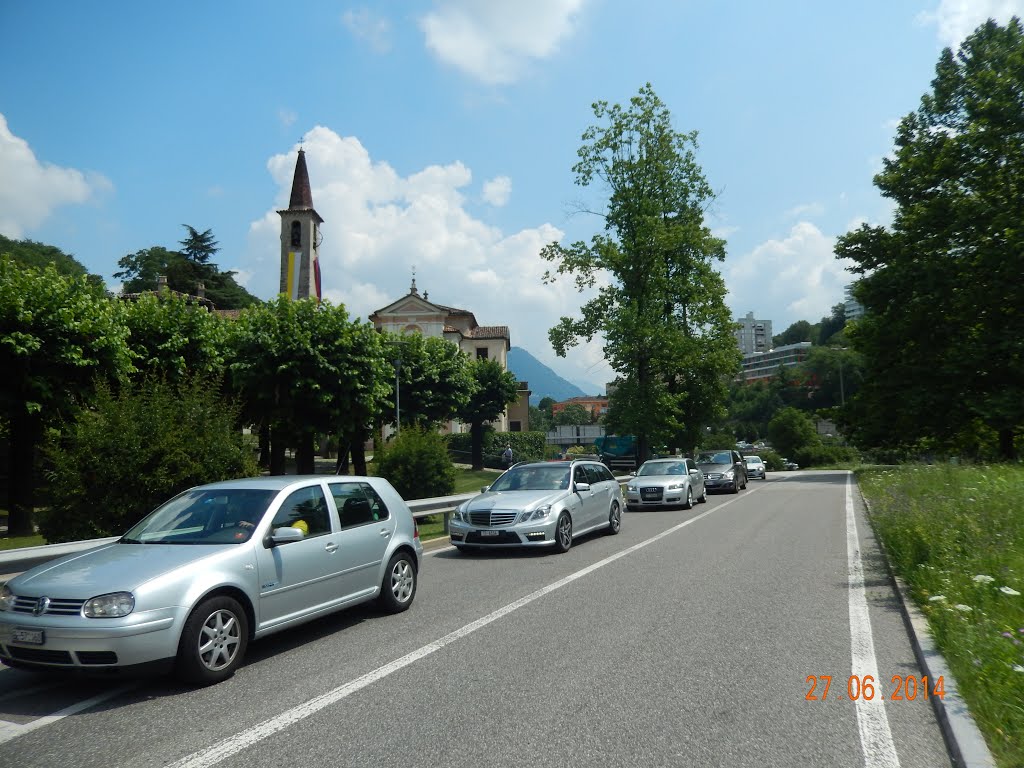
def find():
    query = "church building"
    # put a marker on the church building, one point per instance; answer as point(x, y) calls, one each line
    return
point(300, 239)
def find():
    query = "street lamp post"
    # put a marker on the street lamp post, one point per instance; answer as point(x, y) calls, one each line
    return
point(398, 409)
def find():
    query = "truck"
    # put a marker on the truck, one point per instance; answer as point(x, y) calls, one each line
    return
point(618, 452)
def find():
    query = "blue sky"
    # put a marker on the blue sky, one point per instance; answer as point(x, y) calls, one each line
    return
point(440, 135)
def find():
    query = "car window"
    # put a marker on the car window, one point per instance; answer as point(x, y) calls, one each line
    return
point(580, 474)
point(721, 457)
point(606, 474)
point(533, 477)
point(357, 503)
point(305, 509)
point(594, 474)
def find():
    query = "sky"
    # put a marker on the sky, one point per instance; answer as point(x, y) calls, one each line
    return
point(440, 136)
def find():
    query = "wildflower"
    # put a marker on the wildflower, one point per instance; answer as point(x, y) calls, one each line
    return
point(940, 598)
point(1008, 634)
point(981, 578)
point(1009, 591)
point(1018, 668)
point(963, 608)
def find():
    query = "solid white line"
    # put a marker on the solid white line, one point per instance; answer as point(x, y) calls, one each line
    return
point(10, 731)
point(244, 739)
point(872, 722)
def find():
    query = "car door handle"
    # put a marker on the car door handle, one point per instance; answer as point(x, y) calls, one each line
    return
point(331, 547)
point(385, 532)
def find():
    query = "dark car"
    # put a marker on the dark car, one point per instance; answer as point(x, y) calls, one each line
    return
point(724, 470)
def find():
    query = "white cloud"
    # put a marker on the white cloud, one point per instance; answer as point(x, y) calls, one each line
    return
point(494, 41)
point(379, 226)
point(32, 190)
point(795, 278)
point(368, 26)
point(286, 117)
point(805, 209)
point(498, 190)
point(956, 19)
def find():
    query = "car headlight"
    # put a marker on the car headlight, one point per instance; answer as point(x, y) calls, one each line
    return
point(541, 512)
point(675, 487)
point(110, 606)
point(631, 488)
point(729, 475)
point(6, 599)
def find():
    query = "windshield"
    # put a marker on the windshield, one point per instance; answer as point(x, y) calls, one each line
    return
point(718, 457)
point(662, 468)
point(534, 478)
point(753, 460)
point(226, 516)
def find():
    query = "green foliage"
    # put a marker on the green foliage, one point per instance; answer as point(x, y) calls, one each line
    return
point(799, 331)
point(526, 446)
point(493, 390)
point(436, 379)
point(39, 255)
point(572, 414)
point(416, 462)
point(174, 338)
point(772, 460)
point(540, 420)
point(944, 280)
point(58, 335)
point(712, 440)
point(955, 535)
point(304, 368)
point(792, 431)
point(134, 450)
point(821, 454)
point(662, 313)
point(184, 271)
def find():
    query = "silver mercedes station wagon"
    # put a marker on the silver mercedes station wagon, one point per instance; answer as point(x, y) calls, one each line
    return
point(212, 569)
point(542, 504)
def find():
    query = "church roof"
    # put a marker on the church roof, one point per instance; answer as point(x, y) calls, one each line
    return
point(302, 194)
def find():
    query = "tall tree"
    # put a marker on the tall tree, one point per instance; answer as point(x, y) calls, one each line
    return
point(667, 331)
point(304, 369)
point(38, 255)
point(435, 379)
point(493, 390)
point(942, 335)
point(797, 332)
point(574, 413)
point(173, 338)
point(59, 335)
point(199, 247)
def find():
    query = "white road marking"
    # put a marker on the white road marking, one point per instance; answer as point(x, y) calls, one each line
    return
point(245, 739)
point(10, 731)
point(872, 722)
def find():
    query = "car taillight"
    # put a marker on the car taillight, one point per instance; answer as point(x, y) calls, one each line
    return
point(415, 529)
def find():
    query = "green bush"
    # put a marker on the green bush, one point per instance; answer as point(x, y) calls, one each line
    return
point(416, 462)
point(772, 460)
point(823, 454)
point(526, 446)
point(134, 450)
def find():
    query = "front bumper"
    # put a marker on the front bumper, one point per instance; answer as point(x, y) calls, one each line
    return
point(637, 497)
point(538, 533)
point(73, 642)
point(719, 483)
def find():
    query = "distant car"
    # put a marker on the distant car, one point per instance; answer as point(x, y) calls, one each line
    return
point(756, 467)
point(540, 504)
point(666, 482)
point(209, 571)
point(724, 470)
point(790, 465)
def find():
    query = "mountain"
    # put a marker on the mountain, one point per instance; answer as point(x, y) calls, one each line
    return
point(543, 381)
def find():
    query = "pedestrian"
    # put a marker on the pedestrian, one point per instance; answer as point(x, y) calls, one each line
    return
point(506, 457)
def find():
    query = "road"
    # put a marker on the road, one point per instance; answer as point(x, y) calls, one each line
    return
point(686, 640)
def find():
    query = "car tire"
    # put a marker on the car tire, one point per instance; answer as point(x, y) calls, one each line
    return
point(735, 486)
point(398, 588)
point(614, 519)
point(703, 498)
point(213, 641)
point(688, 504)
point(563, 533)
point(631, 508)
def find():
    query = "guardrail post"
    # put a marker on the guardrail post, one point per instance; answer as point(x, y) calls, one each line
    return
point(447, 517)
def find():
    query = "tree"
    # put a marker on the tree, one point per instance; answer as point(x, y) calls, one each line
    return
point(942, 333)
point(540, 420)
point(791, 431)
point(38, 255)
point(435, 379)
point(136, 448)
point(304, 369)
point(493, 390)
point(797, 332)
point(831, 325)
point(833, 375)
point(172, 338)
point(667, 331)
point(199, 247)
point(58, 336)
point(574, 413)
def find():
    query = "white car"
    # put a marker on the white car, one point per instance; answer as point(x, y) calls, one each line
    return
point(210, 570)
point(540, 504)
point(666, 482)
point(756, 467)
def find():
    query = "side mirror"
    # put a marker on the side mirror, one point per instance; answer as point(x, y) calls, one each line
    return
point(580, 487)
point(633, 473)
point(285, 534)
point(485, 489)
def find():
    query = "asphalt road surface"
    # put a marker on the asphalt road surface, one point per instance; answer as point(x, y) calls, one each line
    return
point(686, 640)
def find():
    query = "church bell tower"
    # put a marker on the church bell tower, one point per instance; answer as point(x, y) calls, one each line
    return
point(300, 239)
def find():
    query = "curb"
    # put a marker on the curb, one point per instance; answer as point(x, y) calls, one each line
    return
point(964, 741)
point(439, 543)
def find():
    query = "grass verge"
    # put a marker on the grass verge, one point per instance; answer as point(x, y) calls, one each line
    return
point(955, 535)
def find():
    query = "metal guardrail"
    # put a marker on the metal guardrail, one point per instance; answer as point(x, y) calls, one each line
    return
point(14, 561)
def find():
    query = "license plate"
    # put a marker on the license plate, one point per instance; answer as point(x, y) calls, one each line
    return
point(488, 533)
point(650, 495)
point(31, 636)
